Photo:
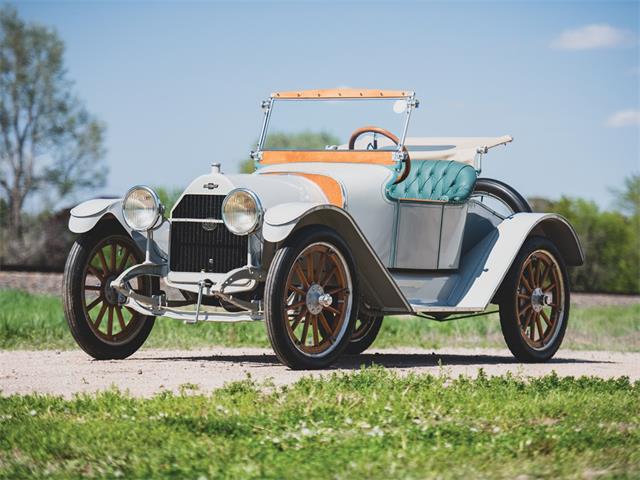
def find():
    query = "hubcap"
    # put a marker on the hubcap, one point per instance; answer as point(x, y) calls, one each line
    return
point(317, 299)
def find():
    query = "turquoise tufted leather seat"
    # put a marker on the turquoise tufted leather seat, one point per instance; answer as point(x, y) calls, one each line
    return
point(441, 180)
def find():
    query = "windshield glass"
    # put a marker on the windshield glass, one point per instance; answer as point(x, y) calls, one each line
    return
point(329, 124)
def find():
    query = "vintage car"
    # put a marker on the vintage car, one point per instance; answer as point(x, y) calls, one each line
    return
point(322, 243)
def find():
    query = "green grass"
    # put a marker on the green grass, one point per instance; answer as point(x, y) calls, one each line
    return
point(371, 424)
point(37, 321)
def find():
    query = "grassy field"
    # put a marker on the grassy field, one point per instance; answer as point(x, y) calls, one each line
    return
point(37, 321)
point(371, 424)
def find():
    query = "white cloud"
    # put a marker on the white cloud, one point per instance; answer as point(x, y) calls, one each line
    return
point(624, 118)
point(590, 37)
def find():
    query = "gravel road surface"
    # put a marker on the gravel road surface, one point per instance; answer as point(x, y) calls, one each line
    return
point(152, 371)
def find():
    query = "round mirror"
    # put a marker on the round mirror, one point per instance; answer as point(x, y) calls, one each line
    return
point(400, 106)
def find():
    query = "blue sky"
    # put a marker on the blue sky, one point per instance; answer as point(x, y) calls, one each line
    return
point(179, 84)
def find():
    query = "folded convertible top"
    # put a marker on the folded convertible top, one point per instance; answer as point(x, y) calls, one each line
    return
point(459, 149)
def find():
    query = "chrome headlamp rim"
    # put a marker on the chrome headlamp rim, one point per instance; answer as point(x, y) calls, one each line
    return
point(159, 207)
point(259, 211)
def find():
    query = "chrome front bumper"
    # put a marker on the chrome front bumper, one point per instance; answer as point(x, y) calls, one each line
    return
point(158, 305)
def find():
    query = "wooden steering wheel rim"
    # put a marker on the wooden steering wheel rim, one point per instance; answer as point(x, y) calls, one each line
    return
point(390, 136)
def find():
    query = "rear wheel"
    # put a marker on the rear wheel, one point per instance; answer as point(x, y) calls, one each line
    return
point(364, 333)
point(309, 293)
point(534, 310)
point(499, 197)
point(101, 327)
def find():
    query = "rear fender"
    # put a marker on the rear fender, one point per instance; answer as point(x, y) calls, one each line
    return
point(378, 288)
point(484, 267)
point(85, 216)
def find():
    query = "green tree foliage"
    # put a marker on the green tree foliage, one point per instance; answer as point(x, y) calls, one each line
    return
point(49, 142)
point(611, 240)
point(304, 140)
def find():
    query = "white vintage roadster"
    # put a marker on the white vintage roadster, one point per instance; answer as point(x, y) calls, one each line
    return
point(321, 244)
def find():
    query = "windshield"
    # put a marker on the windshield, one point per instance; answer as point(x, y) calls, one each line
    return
point(330, 124)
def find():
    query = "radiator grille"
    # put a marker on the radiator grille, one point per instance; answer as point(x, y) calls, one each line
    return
point(199, 206)
point(194, 249)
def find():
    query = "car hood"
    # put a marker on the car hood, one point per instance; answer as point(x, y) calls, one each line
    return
point(270, 189)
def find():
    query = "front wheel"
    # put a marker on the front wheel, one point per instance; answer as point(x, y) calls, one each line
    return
point(101, 327)
point(534, 309)
point(309, 299)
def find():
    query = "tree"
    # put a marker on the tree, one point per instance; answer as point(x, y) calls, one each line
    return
point(305, 140)
point(628, 200)
point(48, 140)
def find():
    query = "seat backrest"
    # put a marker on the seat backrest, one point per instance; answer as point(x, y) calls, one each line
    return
point(440, 180)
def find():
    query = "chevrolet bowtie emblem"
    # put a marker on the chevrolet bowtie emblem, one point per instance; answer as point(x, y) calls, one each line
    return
point(210, 185)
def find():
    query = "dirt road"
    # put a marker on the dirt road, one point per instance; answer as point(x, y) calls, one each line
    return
point(152, 371)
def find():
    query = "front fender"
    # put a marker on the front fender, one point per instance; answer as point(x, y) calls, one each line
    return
point(279, 221)
point(85, 216)
point(379, 290)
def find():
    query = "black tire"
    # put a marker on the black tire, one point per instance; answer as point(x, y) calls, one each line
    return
point(103, 346)
point(503, 192)
point(291, 350)
point(544, 272)
point(364, 334)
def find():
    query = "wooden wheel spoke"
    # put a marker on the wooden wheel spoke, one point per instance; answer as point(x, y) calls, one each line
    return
point(120, 318)
point(93, 304)
point(316, 333)
point(525, 283)
point(103, 261)
point(325, 325)
point(125, 257)
point(296, 305)
point(92, 288)
point(310, 275)
point(546, 318)
point(321, 266)
point(527, 321)
point(100, 315)
point(301, 275)
point(544, 275)
point(110, 321)
point(326, 279)
point(540, 330)
point(531, 276)
point(338, 291)
point(296, 289)
point(305, 329)
point(298, 319)
point(114, 250)
point(332, 310)
point(524, 296)
point(95, 272)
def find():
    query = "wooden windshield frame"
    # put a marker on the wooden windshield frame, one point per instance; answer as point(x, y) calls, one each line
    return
point(341, 93)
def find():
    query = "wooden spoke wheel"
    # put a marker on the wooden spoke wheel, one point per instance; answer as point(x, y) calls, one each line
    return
point(98, 321)
point(109, 320)
point(535, 304)
point(316, 298)
point(539, 299)
point(309, 293)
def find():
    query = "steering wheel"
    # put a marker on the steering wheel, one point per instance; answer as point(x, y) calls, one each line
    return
point(385, 133)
